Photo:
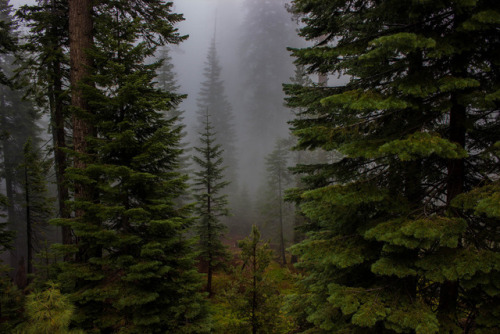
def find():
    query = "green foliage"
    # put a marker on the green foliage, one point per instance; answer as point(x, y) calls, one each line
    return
point(276, 215)
point(403, 227)
point(211, 204)
point(213, 99)
point(11, 302)
point(132, 269)
point(6, 236)
point(39, 206)
point(251, 297)
point(8, 39)
point(48, 312)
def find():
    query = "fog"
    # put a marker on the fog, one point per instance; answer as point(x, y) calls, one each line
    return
point(226, 19)
point(251, 40)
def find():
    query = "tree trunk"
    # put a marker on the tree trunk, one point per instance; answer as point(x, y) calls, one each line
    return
point(455, 184)
point(9, 177)
point(29, 227)
point(58, 133)
point(59, 143)
point(80, 41)
point(282, 239)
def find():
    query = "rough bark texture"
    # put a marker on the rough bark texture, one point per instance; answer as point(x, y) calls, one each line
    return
point(80, 40)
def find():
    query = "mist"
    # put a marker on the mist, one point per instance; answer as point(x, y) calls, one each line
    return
point(251, 39)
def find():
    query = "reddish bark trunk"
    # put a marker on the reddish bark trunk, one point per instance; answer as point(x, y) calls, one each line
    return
point(80, 41)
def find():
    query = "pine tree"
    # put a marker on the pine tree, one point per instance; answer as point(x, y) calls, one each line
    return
point(45, 63)
point(8, 40)
point(48, 312)
point(211, 204)
point(38, 204)
point(17, 124)
point(259, 307)
point(212, 97)
point(168, 83)
point(398, 240)
point(277, 213)
point(133, 269)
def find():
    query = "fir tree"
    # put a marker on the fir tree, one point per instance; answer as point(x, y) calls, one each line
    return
point(212, 97)
point(17, 124)
point(211, 204)
point(259, 308)
point(168, 83)
point(276, 211)
point(397, 240)
point(38, 204)
point(8, 40)
point(45, 63)
point(133, 269)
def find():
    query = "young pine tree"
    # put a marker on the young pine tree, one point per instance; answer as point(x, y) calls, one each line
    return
point(48, 312)
point(132, 269)
point(261, 306)
point(211, 204)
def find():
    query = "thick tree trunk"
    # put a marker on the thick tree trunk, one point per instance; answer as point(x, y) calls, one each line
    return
point(80, 41)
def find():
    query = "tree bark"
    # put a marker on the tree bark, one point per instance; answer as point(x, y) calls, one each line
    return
point(455, 186)
point(80, 41)
point(58, 132)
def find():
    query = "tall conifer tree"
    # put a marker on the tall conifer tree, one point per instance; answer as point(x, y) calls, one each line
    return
point(211, 203)
point(277, 213)
point(37, 203)
point(17, 124)
point(212, 97)
point(133, 269)
point(400, 239)
point(45, 63)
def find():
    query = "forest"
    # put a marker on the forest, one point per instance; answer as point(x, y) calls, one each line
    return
point(250, 166)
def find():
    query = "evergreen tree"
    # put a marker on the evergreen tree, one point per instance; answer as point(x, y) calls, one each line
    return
point(277, 213)
point(10, 296)
point(399, 237)
point(38, 204)
point(48, 312)
point(212, 97)
point(167, 82)
point(259, 309)
point(133, 267)
point(45, 63)
point(252, 294)
point(17, 124)
point(8, 40)
point(211, 204)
